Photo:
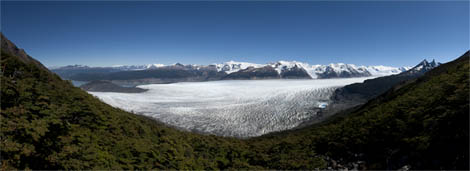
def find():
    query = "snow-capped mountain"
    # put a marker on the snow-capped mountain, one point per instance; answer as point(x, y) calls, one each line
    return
point(424, 66)
point(116, 67)
point(340, 70)
point(154, 66)
point(381, 70)
point(137, 67)
point(314, 71)
point(224, 71)
point(232, 66)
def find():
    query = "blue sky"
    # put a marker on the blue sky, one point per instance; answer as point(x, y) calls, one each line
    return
point(113, 33)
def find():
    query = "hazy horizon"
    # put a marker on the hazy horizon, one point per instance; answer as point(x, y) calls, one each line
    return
point(117, 65)
point(135, 33)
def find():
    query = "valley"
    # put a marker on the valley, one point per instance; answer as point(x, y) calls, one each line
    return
point(419, 122)
point(249, 107)
point(225, 85)
point(236, 108)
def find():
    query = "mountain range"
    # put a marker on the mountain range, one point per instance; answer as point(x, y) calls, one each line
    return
point(158, 73)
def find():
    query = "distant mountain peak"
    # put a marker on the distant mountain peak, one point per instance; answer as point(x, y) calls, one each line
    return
point(154, 66)
point(425, 62)
point(424, 66)
point(433, 63)
point(77, 66)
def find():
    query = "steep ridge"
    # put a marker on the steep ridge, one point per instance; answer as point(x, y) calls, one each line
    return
point(47, 123)
point(9, 47)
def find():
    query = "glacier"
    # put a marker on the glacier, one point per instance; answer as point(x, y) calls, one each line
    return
point(234, 108)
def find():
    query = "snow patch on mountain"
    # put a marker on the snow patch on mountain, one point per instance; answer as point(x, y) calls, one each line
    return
point(289, 68)
point(281, 66)
point(314, 71)
point(381, 70)
point(154, 66)
point(137, 67)
point(232, 66)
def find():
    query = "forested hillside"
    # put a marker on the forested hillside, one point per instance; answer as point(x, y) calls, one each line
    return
point(423, 124)
point(46, 123)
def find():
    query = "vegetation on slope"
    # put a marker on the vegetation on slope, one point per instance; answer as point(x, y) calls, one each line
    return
point(423, 124)
point(46, 123)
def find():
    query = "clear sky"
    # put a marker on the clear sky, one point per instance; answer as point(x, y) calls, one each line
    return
point(114, 33)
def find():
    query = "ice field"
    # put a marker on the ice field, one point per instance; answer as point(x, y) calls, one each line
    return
point(239, 108)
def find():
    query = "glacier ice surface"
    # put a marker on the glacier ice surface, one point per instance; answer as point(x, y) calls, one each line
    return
point(238, 108)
